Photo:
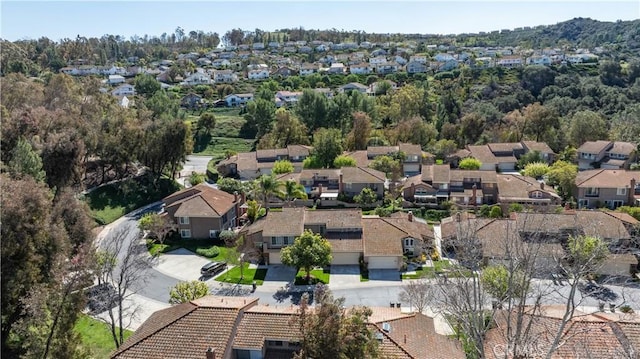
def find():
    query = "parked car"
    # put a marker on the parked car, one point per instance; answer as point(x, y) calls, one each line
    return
point(213, 268)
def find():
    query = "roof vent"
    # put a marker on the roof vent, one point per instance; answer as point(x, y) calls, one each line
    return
point(386, 327)
point(379, 336)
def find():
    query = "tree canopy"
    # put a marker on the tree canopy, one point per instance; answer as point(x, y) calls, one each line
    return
point(307, 251)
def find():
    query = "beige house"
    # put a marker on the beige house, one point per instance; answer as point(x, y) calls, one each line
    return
point(606, 155)
point(526, 191)
point(607, 188)
point(202, 211)
point(382, 241)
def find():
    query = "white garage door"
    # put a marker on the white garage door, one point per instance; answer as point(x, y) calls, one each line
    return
point(383, 262)
point(274, 258)
point(345, 258)
point(507, 166)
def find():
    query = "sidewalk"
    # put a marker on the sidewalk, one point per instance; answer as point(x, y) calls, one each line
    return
point(137, 309)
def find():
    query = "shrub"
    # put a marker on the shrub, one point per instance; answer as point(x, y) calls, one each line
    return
point(536, 169)
point(515, 207)
point(496, 212)
point(470, 163)
point(210, 252)
point(227, 236)
point(626, 309)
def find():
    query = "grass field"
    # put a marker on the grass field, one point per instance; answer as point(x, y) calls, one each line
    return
point(96, 335)
point(216, 146)
point(111, 202)
point(317, 276)
point(249, 275)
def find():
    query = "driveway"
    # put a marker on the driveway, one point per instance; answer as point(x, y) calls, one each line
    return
point(197, 164)
point(344, 276)
point(384, 274)
point(279, 275)
point(182, 264)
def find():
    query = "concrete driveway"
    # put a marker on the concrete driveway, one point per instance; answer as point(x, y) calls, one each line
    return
point(384, 274)
point(197, 164)
point(280, 275)
point(182, 264)
point(343, 276)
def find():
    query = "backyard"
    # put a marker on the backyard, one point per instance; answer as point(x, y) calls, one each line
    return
point(96, 335)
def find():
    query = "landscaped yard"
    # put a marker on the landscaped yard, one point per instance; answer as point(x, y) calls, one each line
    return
point(96, 335)
point(249, 275)
point(317, 276)
point(111, 202)
point(429, 272)
point(202, 247)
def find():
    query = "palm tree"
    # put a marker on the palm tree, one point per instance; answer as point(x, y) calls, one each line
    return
point(292, 190)
point(268, 186)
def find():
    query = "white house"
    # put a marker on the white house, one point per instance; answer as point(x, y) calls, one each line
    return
point(509, 61)
point(362, 68)
point(400, 60)
point(261, 74)
point(235, 100)
point(197, 78)
point(224, 76)
point(124, 90)
point(442, 57)
point(308, 69)
point(123, 102)
point(285, 98)
point(387, 68)
point(220, 63)
point(115, 79)
point(539, 60)
point(416, 67)
point(337, 68)
point(377, 60)
point(258, 46)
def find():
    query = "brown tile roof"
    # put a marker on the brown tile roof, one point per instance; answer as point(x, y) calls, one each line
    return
point(361, 158)
point(631, 331)
point(381, 238)
point(289, 222)
point(601, 178)
point(289, 177)
point(542, 147)
point(436, 173)
point(594, 146)
point(308, 174)
point(410, 149)
point(505, 147)
point(262, 323)
point(516, 186)
point(362, 175)
point(298, 150)
point(414, 228)
point(201, 201)
point(624, 148)
point(335, 218)
point(590, 223)
point(467, 175)
point(624, 217)
point(416, 335)
point(585, 336)
point(346, 245)
point(482, 153)
point(246, 161)
point(181, 331)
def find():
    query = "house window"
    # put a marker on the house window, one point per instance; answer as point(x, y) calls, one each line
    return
point(348, 186)
point(592, 192)
point(536, 194)
point(583, 203)
point(408, 242)
point(185, 233)
point(213, 233)
point(621, 192)
point(224, 218)
point(184, 220)
point(616, 203)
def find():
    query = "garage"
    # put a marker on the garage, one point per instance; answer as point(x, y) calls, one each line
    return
point(379, 262)
point(274, 258)
point(507, 166)
point(345, 258)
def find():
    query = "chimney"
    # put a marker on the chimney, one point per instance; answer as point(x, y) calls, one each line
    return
point(211, 353)
point(458, 217)
point(632, 191)
point(340, 185)
point(474, 189)
point(319, 189)
point(405, 339)
point(410, 216)
point(542, 185)
point(235, 196)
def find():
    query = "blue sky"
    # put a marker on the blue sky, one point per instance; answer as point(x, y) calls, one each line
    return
point(60, 19)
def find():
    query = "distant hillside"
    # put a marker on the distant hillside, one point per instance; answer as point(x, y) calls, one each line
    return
point(578, 32)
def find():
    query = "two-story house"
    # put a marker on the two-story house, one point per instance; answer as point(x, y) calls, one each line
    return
point(362, 68)
point(308, 69)
point(327, 184)
point(412, 162)
point(225, 76)
point(606, 154)
point(197, 78)
point(202, 211)
point(415, 67)
point(240, 99)
point(527, 191)
point(124, 90)
point(251, 165)
point(607, 188)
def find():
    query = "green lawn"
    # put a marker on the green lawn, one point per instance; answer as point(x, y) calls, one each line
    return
point(216, 146)
point(191, 244)
point(317, 276)
point(249, 275)
point(96, 335)
point(111, 202)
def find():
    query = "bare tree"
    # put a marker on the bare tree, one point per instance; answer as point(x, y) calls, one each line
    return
point(124, 264)
point(417, 293)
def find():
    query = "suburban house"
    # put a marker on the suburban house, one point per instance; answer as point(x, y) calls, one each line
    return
point(416, 67)
point(197, 78)
point(308, 69)
point(203, 211)
point(504, 156)
point(586, 335)
point(115, 79)
point(224, 76)
point(387, 68)
point(527, 191)
point(284, 71)
point(488, 160)
point(607, 188)
point(362, 68)
point(509, 61)
point(546, 233)
point(412, 163)
point(545, 151)
point(381, 241)
point(246, 329)
point(337, 68)
point(606, 154)
point(287, 98)
point(220, 63)
point(260, 74)
point(418, 58)
point(124, 90)
point(539, 60)
point(191, 100)
point(251, 165)
point(353, 86)
point(349, 181)
point(240, 99)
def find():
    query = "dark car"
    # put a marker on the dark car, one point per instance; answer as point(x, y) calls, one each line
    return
point(213, 268)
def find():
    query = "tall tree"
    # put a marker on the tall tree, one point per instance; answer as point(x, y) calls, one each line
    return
point(307, 251)
point(358, 138)
point(539, 120)
point(26, 162)
point(260, 115)
point(312, 108)
point(587, 126)
point(288, 130)
point(327, 145)
point(266, 187)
